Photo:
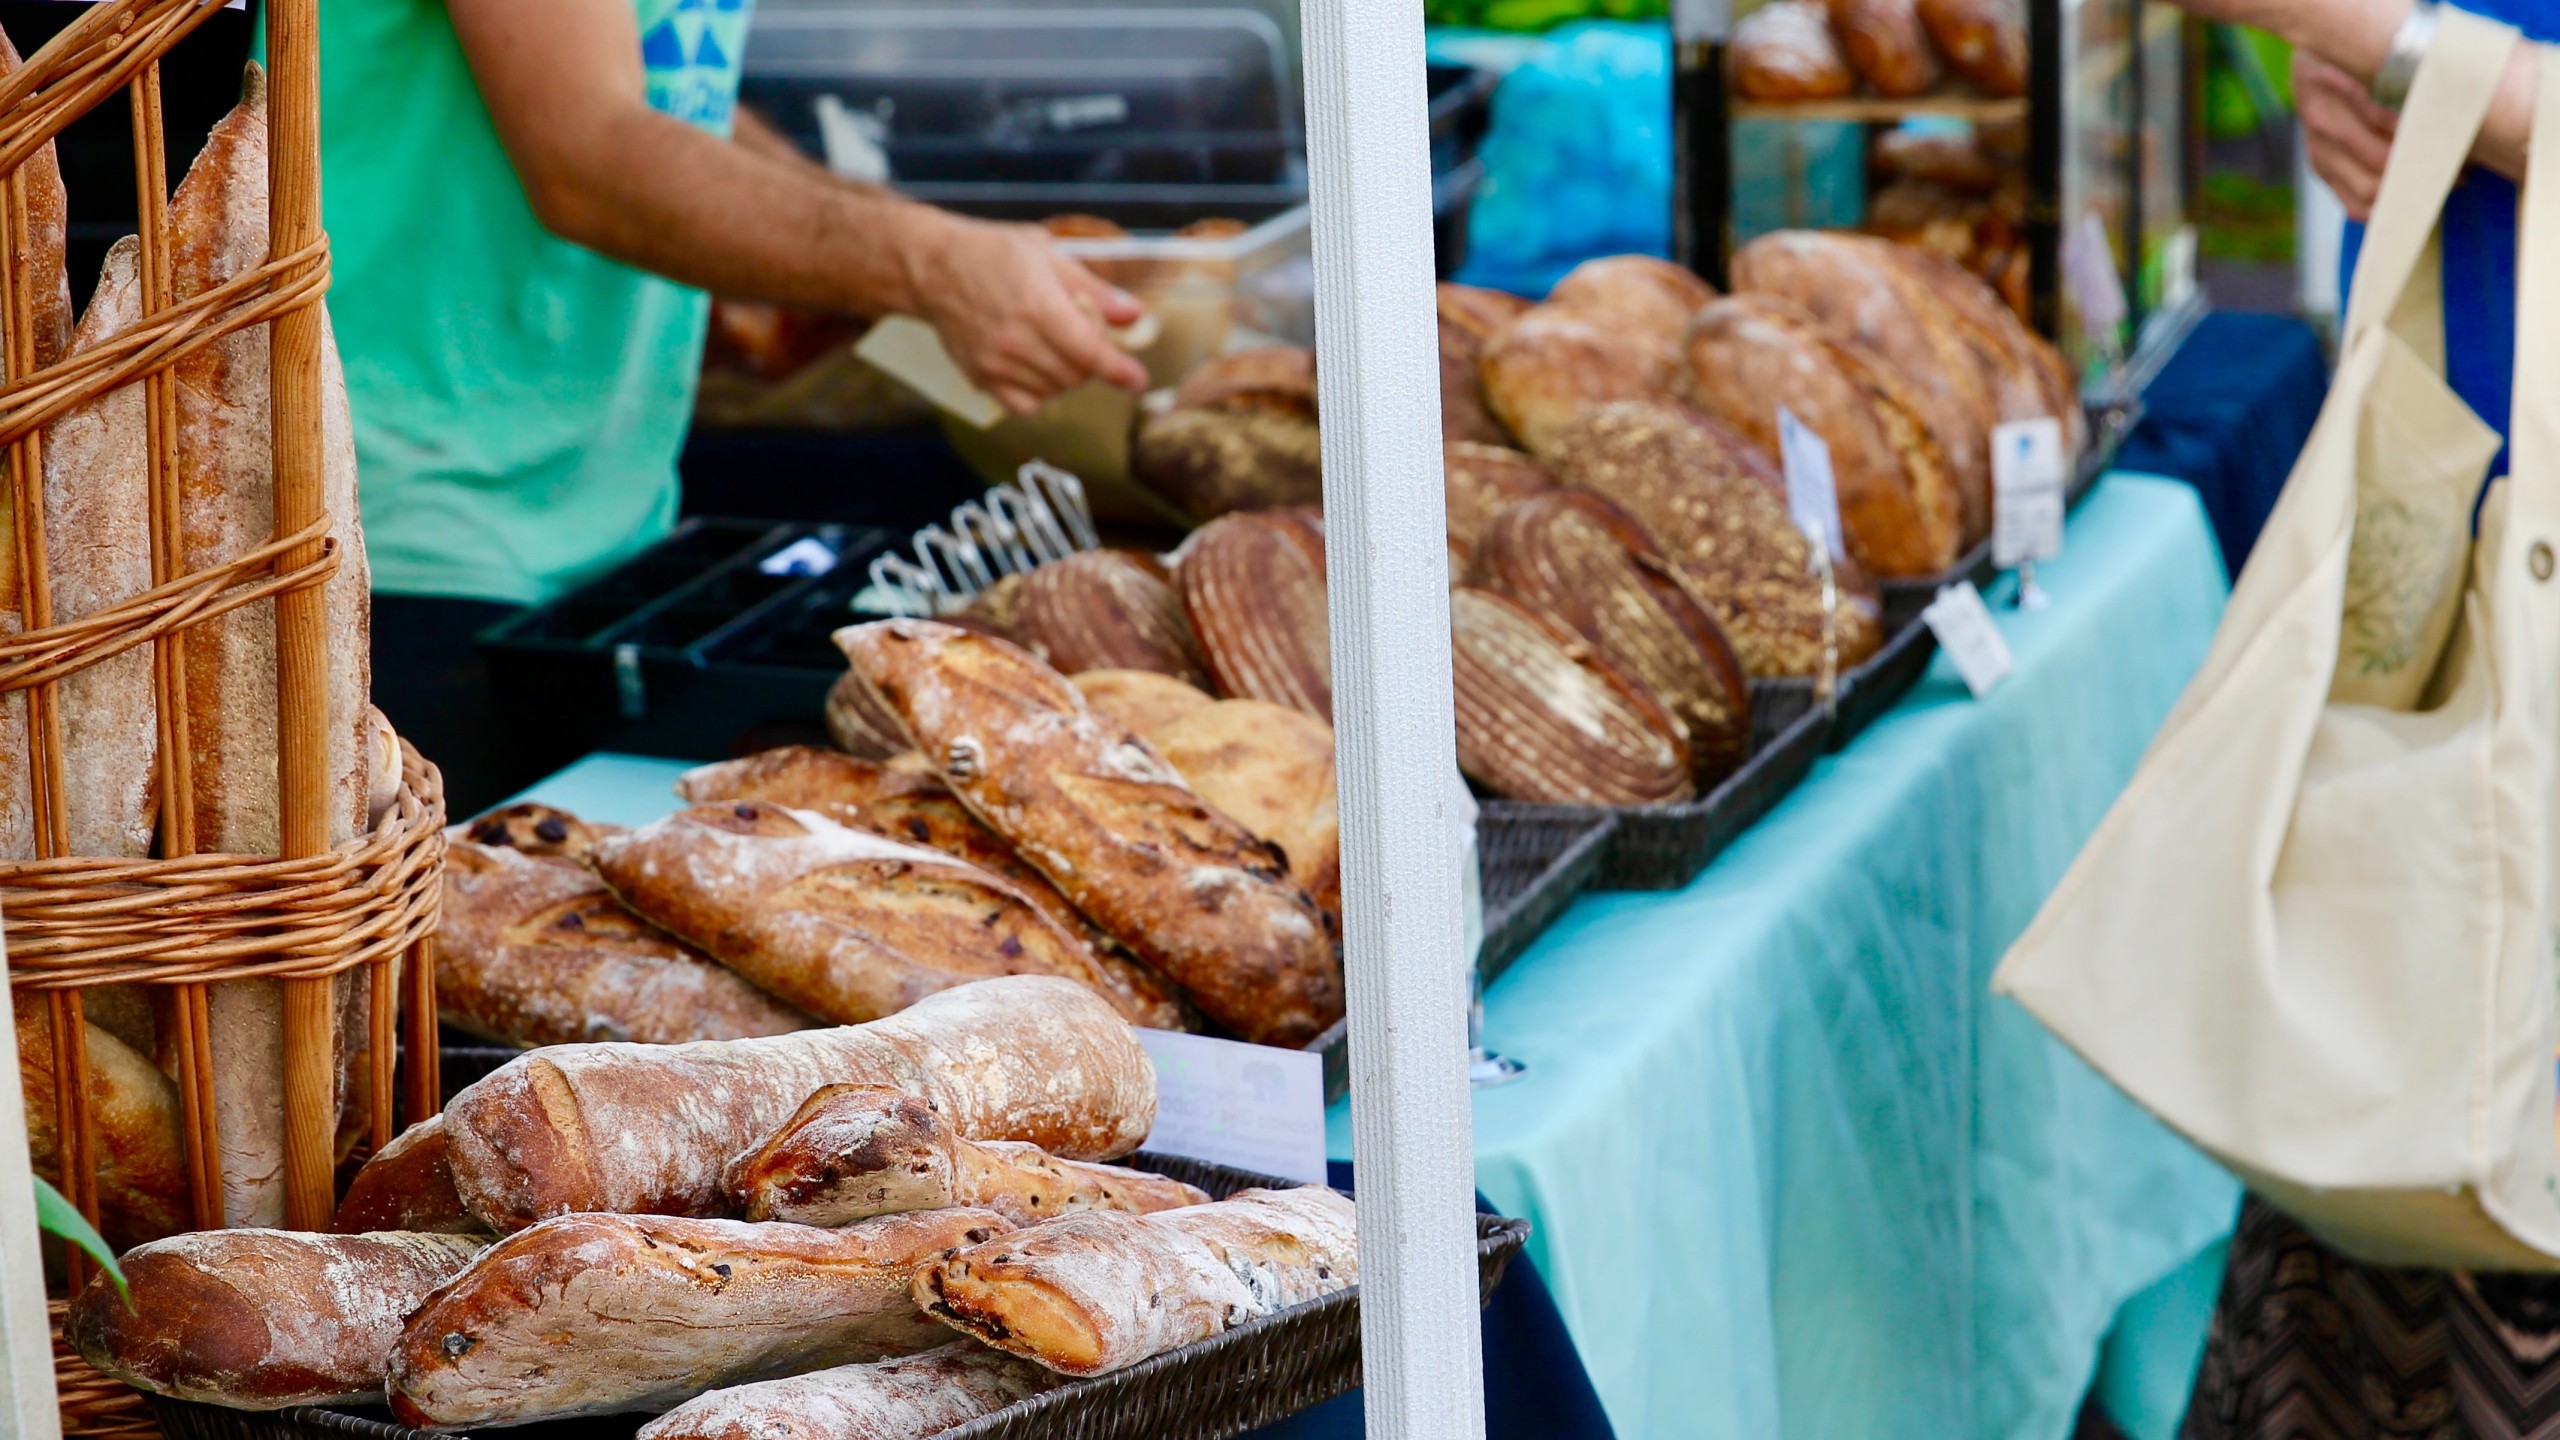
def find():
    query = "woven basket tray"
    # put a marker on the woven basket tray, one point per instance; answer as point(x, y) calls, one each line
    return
point(1253, 1376)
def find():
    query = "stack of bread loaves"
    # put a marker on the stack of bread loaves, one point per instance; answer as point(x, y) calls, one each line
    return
point(875, 1232)
point(1798, 50)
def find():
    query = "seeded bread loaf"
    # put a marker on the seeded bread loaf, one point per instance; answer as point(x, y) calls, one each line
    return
point(1542, 718)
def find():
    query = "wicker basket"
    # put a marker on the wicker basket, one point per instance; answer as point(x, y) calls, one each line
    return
point(186, 920)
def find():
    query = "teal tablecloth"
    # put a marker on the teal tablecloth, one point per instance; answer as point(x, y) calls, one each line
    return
point(1793, 1171)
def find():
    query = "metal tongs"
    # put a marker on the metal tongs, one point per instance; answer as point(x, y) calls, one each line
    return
point(1011, 530)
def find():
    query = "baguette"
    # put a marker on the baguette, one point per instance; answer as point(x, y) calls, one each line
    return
point(42, 276)
point(134, 1115)
point(668, 1307)
point(855, 1151)
point(1104, 1290)
point(407, 1185)
point(649, 1127)
point(846, 925)
point(901, 1399)
point(859, 723)
point(537, 952)
point(262, 1319)
point(1194, 895)
point(535, 829)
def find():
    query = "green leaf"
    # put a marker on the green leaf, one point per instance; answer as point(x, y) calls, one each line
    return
point(57, 1216)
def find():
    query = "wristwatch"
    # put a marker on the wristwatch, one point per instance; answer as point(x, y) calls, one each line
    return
point(2399, 67)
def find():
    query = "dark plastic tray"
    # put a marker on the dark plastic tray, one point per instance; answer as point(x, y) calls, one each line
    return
point(1257, 1374)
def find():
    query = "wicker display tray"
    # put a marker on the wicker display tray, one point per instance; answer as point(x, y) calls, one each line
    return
point(1252, 1376)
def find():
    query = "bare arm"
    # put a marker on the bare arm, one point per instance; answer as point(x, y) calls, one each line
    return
point(565, 86)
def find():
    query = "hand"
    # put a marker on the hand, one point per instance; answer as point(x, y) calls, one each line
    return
point(2348, 136)
point(1022, 320)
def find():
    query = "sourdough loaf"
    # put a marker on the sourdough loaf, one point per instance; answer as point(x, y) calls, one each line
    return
point(134, 1115)
point(666, 1307)
point(1649, 295)
point(1140, 699)
point(1886, 46)
point(1542, 718)
point(1574, 556)
point(1108, 610)
point(1482, 481)
point(41, 276)
point(538, 952)
point(1201, 900)
point(2033, 380)
point(648, 1127)
point(1785, 50)
point(901, 1399)
point(1240, 434)
point(407, 1185)
point(1475, 312)
point(1253, 586)
point(1467, 316)
point(855, 1151)
point(1104, 1290)
point(1553, 362)
point(262, 1319)
point(1270, 769)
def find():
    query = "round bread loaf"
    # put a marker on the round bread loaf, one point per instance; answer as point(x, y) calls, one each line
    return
point(1253, 585)
point(1850, 284)
point(1238, 434)
point(1552, 363)
point(1108, 610)
point(1483, 481)
point(1475, 312)
point(1467, 316)
point(1655, 296)
point(1575, 556)
point(1143, 700)
point(1541, 718)
point(1716, 506)
point(1279, 378)
point(2032, 377)
point(1886, 46)
point(1785, 51)
point(1900, 505)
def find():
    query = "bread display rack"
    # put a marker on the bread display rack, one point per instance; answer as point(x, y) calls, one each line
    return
point(185, 920)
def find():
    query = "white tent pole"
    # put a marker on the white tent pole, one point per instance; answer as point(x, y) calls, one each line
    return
point(27, 1402)
point(1386, 547)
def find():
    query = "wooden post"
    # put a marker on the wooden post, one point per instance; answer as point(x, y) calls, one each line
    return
point(1386, 550)
point(302, 679)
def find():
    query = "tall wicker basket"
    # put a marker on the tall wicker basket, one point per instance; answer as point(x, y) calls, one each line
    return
point(186, 919)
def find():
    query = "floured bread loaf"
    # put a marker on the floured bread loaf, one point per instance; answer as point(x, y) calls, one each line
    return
point(1482, 482)
point(855, 1151)
point(1784, 50)
point(1108, 610)
point(1201, 900)
point(807, 777)
point(901, 1399)
point(1240, 434)
point(859, 724)
point(1574, 556)
point(1654, 296)
point(1140, 699)
point(1253, 586)
point(1554, 362)
point(1542, 718)
point(407, 1185)
point(1270, 769)
point(648, 1128)
point(536, 829)
point(1102, 1291)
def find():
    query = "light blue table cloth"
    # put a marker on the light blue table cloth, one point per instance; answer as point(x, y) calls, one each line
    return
point(1793, 1171)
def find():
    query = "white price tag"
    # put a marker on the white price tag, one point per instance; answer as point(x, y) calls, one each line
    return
point(1812, 498)
point(1965, 631)
point(2089, 269)
point(1253, 1107)
point(2026, 486)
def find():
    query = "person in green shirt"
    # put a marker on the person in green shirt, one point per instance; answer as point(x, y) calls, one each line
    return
point(526, 205)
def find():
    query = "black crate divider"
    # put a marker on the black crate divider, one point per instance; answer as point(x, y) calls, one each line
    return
point(1254, 1375)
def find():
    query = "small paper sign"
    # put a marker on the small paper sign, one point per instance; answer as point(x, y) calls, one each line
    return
point(1811, 496)
point(2089, 269)
point(1253, 1107)
point(2026, 486)
point(1965, 631)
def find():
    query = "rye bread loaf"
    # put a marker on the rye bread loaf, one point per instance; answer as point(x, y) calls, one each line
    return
point(1482, 481)
point(1104, 1290)
point(1552, 363)
point(1270, 769)
point(856, 1151)
point(537, 952)
point(1239, 434)
point(262, 1319)
point(1849, 283)
point(1653, 296)
point(901, 1399)
point(1542, 718)
point(846, 925)
point(1140, 699)
point(1573, 555)
point(667, 1307)
point(535, 829)
point(1197, 897)
point(407, 1185)
point(1785, 50)
point(648, 1127)
point(1886, 46)
point(1253, 586)
point(134, 1115)
point(1108, 610)
point(1716, 506)
point(1899, 503)
point(41, 275)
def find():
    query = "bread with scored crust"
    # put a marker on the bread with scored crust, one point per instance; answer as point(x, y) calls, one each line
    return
point(1643, 292)
point(1107, 610)
point(1553, 362)
point(1140, 699)
point(1542, 718)
point(407, 1185)
point(1985, 41)
point(1886, 46)
point(1482, 481)
point(1254, 587)
point(899, 1399)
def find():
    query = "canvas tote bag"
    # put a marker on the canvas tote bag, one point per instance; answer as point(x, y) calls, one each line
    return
point(2316, 933)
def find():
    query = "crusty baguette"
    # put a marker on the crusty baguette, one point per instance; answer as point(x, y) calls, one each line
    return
point(604, 1314)
point(407, 1185)
point(1140, 699)
point(808, 777)
point(901, 1399)
point(535, 829)
point(535, 951)
point(847, 925)
point(1103, 1290)
point(218, 222)
point(859, 723)
point(1193, 894)
point(262, 1319)
point(134, 1114)
point(1270, 769)
point(648, 1127)
point(855, 1151)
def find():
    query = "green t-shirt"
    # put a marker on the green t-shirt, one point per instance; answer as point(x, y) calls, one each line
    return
point(519, 400)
